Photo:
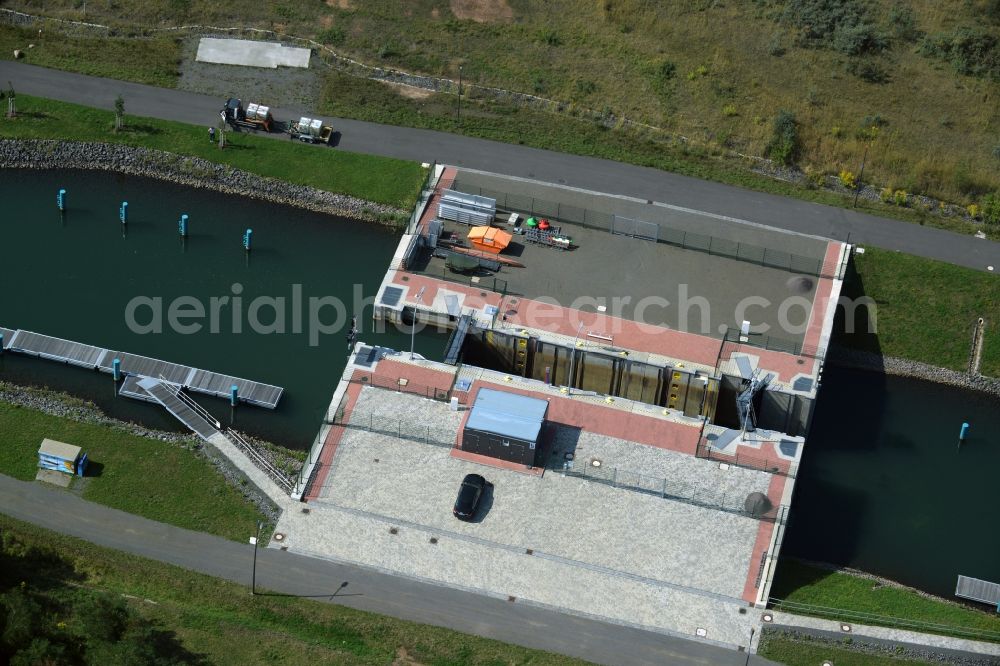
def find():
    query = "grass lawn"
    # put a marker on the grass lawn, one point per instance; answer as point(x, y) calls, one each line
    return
point(380, 179)
point(222, 622)
point(153, 61)
point(926, 309)
point(804, 584)
point(157, 480)
point(800, 651)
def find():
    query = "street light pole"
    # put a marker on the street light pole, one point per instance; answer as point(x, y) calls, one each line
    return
point(413, 324)
point(749, 647)
point(572, 358)
point(460, 95)
point(253, 574)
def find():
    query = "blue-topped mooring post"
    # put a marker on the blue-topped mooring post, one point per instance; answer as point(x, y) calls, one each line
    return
point(123, 212)
point(1, 343)
point(61, 200)
point(182, 226)
point(962, 434)
point(247, 236)
point(116, 369)
point(234, 392)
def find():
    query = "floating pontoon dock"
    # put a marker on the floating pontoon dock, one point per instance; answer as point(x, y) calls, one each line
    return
point(87, 356)
point(978, 590)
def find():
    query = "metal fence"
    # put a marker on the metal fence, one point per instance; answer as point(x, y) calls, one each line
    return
point(432, 392)
point(842, 615)
point(280, 477)
point(706, 497)
point(772, 465)
point(687, 240)
point(731, 343)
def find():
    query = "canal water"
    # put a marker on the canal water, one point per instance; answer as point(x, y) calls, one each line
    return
point(885, 488)
point(74, 276)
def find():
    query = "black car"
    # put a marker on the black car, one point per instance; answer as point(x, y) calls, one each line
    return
point(469, 494)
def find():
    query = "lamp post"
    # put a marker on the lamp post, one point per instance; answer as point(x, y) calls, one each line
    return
point(749, 646)
point(572, 358)
point(872, 133)
point(413, 324)
point(460, 95)
point(253, 574)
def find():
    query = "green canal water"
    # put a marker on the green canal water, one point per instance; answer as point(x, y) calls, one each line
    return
point(73, 276)
point(885, 488)
point(882, 488)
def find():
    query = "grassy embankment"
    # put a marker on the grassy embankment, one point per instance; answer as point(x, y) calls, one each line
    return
point(158, 480)
point(379, 179)
point(873, 65)
point(220, 621)
point(926, 309)
point(800, 583)
point(801, 651)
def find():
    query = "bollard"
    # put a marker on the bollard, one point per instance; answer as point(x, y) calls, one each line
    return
point(61, 199)
point(961, 435)
point(1, 343)
point(116, 369)
point(123, 212)
point(183, 226)
point(233, 395)
point(247, 236)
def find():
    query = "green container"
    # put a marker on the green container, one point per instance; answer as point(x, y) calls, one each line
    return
point(532, 222)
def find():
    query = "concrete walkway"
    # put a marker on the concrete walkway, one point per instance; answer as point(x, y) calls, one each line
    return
point(822, 627)
point(366, 589)
point(520, 161)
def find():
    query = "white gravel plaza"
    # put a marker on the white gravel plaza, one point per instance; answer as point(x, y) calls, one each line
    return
point(553, 540)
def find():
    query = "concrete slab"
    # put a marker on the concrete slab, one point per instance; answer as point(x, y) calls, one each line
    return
point(251, 53)
point(54, 477)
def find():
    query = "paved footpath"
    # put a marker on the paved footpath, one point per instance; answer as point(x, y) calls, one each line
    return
point(366, 589)
point(548, 166)
point(944, 645)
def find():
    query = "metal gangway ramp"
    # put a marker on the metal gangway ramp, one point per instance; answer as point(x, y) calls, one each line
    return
point(978, 590)
point(186, 410)
point(457, 339)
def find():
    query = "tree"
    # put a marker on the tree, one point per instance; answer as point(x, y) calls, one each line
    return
point(119, 113)
point(784, 145)
point(11, 106)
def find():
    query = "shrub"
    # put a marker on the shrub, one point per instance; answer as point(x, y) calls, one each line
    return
point(784, 145)
point(701, 70)
point(973, 211)
point(837, 132)
point(971, 51)
point(775, 46)
point(991, 208)
point(899, 197)
point(885, 195)
point(847, 179)
point(904, 24)
point(845, 25)
point(332, 36)
point(729, 110)
point(666, 71)
point(585, 86)
point(868, 69)
point(549, 36)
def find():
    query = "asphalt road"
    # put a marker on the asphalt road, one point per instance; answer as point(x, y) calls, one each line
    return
point(548, 166)
point(356, 587)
